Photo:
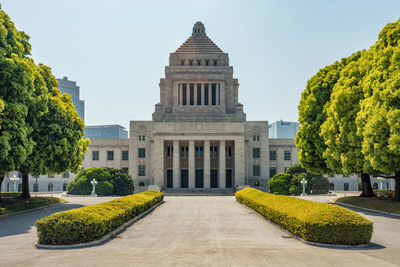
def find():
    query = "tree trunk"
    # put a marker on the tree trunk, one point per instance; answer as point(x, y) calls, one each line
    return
point(367, 190)
point(397, 187)
point(25, 186)
point(1, 182)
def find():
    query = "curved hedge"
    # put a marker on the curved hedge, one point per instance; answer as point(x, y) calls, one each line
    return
point(92, 222)
point(312, 221)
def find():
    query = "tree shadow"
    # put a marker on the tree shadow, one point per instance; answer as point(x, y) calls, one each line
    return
point(23, 223)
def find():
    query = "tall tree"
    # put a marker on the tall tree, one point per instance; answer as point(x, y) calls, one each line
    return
point(16, 89)
point(58, 135)
point(312, 114)
point(378, 120)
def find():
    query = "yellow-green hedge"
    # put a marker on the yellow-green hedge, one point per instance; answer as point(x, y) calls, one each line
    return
point(312, 221)
point(92, 222)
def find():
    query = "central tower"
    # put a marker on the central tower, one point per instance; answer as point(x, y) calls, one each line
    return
point(199, 84)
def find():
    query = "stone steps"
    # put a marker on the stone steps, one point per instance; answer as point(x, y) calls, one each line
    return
point(199, 191)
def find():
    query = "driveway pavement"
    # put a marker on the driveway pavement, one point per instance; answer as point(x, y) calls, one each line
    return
point(204, 231)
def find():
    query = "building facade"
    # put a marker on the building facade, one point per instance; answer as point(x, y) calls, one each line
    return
point(198, 136)
point(70, 87)
point(283, 129)
point(106, 131)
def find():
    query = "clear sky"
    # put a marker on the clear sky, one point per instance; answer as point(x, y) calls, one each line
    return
point(117, 50)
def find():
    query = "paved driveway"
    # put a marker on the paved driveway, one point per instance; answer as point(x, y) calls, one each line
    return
point(201, 231)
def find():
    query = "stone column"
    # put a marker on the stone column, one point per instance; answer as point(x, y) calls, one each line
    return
point(239, 161)
point(188, 94)
point(176, 164)
point(191, 164)
point(195, 94)
point(202, 94)
point(222, 165)
point(158, 162)
point(206, 169)
point(209, 94)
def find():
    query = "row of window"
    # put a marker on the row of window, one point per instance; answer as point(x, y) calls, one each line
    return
point(199, 151)
point(110, 155)
point(202, 62)
point(287, 155)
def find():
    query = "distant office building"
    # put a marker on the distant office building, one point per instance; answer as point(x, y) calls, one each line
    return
point(70, 87)
point(283, 129)
point(106, 131)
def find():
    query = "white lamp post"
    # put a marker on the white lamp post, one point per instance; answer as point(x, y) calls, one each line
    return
point(304, 182)
point(94, 182)
point(14, 179)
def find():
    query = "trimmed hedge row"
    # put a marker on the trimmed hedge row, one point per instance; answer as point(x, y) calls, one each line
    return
point(89, 223)
point(312, 221)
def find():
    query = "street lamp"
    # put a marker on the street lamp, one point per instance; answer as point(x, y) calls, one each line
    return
point(14, 179)
point(304, 182)
point(94, 182)
point(380, 179)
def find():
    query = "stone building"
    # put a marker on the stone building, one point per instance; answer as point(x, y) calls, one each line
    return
point(199, 136)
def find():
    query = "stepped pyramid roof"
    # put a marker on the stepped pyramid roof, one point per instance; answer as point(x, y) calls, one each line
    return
point(199, 42)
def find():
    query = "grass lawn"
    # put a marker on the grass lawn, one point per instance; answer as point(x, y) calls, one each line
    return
point(12, 203)
point(375, 203)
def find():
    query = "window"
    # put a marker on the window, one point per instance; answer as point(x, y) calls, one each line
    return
point(228, 151)
point(125, 170)
point(256, 170)
point(375, 186)
point(256, 152)
point(184, 100)
point(272, 172)
point(66, 175)
point(95, 155)
point(142, 152)
point(110, 155)
point(140, 138)
point(125, 155)
point(213, 151)
point(346, 187)
point(50, 187)
point(213, 94)
point(141, 184)
point(143, 138)
point(65, 186)
point(199, 151)
point(184, 151)
point(142, 170)
point(199, 94)
point(256, 138)
point(206, 94)
point(191, 91)
point(288, 155)
point(272, 155)
point(170, 151)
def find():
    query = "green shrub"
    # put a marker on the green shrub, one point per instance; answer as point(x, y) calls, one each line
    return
point(104, 188)
point(92, 222)
point(280, 184)
point(312, 221)
point(121, 182)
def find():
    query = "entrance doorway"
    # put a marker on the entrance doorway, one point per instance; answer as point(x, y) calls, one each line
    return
point(184, 179)
point(199, 179)
point(169, 179)
point(228, 178)
point(214, 179)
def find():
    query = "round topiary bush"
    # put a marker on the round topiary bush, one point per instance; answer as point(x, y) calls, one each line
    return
point(110, 182)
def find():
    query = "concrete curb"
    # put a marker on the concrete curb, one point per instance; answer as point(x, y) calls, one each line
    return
point(106, 237)
point(324, 245)
point(367, 209)
point(30, 210)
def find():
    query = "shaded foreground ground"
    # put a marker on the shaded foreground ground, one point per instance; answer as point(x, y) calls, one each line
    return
point(198, 231)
